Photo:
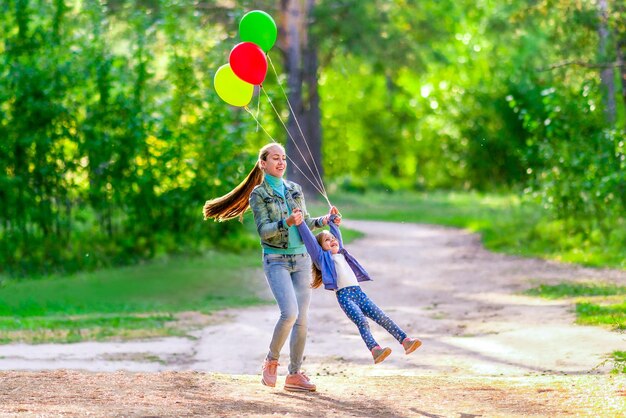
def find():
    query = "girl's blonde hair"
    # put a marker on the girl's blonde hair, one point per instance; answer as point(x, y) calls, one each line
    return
point(236, 202)
point(317, 273)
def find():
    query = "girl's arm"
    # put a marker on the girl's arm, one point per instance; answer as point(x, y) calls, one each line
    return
point(314, 223)
point(334, 229)
point(310, 242)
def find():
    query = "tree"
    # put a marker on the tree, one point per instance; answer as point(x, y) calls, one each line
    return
point(619, 24)
point(607, 75)
point(301, 65)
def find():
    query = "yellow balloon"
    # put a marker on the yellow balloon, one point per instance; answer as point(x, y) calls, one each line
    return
point(231, 88)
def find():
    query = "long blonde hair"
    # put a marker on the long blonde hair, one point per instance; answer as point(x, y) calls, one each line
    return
point(236, 202)
point(317, 273)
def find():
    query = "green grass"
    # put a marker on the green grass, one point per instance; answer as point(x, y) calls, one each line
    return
point(205, 283)
point(613, 315)
point(619, 361)
point(505, 222)
point(95, 321)
point(596, 304)
point(567, 290)
point(132, 301)
point(97, 327)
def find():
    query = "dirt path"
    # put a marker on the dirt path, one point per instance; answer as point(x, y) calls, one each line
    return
point(487, 350)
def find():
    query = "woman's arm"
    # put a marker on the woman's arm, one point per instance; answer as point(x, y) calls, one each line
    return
point(265, 226)
point(298, 202)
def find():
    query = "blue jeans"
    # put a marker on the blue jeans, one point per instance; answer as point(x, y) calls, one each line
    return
point(289, 278)
point(357, 306)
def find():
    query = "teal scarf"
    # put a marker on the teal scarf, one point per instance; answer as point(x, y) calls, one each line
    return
point(276, 183)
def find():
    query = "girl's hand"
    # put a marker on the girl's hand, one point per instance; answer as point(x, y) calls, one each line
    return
point(334, 211)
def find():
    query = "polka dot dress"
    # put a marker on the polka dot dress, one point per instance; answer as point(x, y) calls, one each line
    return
point(358, 306)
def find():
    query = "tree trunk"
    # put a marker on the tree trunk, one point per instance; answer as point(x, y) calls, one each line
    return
point(607, 76)
point(300, 62)
point(620, 34)
point(313, 115)
point(621, 57)
point(621, 49)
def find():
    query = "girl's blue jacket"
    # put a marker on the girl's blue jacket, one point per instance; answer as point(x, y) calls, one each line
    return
point(323, 259)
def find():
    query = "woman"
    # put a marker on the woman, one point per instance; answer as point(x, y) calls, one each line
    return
point(278, 206)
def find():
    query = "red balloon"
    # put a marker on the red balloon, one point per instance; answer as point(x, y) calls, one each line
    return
point(248, 62)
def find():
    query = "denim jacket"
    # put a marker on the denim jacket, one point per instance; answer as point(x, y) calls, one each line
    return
point(323, 259)
point(268, 208)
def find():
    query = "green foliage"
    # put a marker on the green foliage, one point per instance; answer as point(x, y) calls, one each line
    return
point(578, 172)
point(513, 103)
point(112, 137)
point(574, 158)
point(425, 123)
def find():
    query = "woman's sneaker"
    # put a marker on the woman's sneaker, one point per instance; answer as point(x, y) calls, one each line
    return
point(269, 372)
point(380, 354)
point(299, 382)
point(410, 344)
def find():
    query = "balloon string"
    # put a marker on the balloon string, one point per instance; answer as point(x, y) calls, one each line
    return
point(269, 59)
point(258, 107)
point(320, 184)
point(318, 180)
point(290, 159)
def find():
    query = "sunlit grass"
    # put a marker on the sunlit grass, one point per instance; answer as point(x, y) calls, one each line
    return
point(567, 290)
point(66, 329)
point(127, 301)
point(619, 358)
point(613, 315)
point(96, 321)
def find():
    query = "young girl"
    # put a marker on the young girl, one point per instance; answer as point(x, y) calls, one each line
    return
point(334, 267)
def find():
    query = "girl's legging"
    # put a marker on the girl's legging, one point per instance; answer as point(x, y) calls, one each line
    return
point(357, 306)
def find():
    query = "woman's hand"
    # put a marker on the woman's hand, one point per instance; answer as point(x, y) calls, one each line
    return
point(295, 218)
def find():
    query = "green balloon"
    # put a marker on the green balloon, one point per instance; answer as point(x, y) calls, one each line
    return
point(231, 88)
point(259, 28)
